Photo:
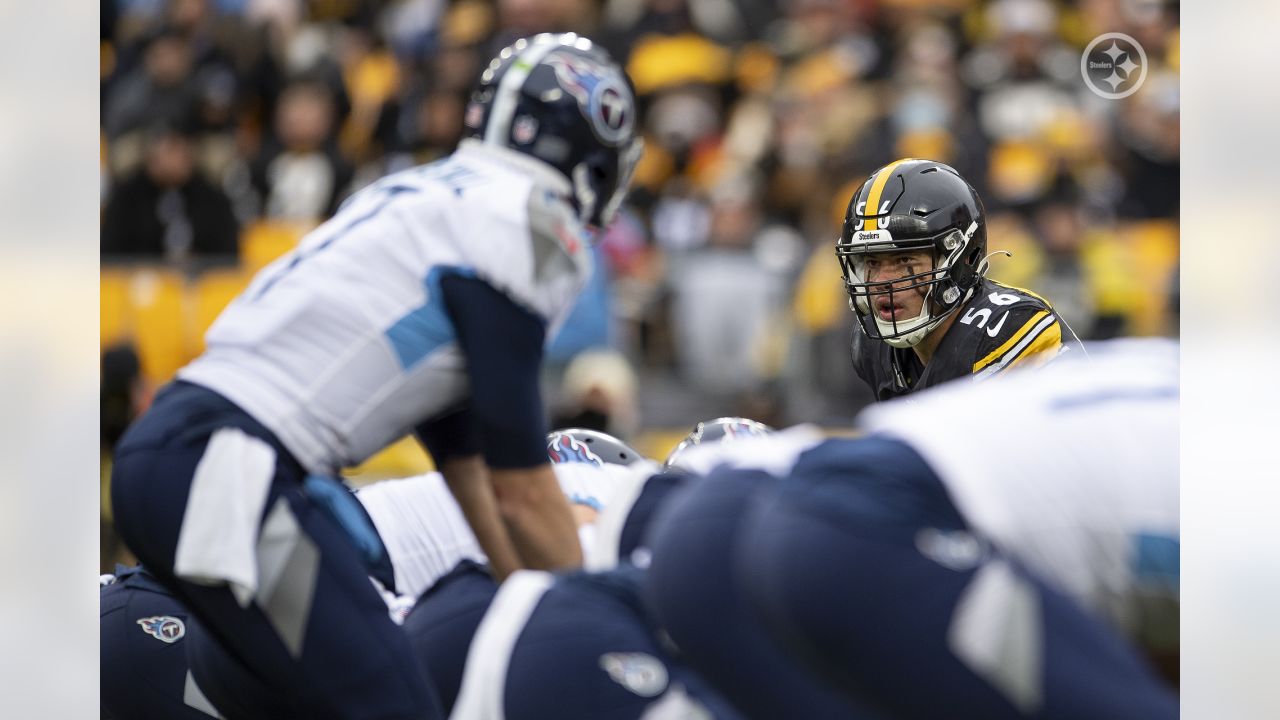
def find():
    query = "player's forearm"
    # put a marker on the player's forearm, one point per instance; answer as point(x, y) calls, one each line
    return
point(537, 517)
point(468, 480)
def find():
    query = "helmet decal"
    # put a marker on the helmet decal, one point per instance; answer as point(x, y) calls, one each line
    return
point(601, 93)
point(720, 430)
point(561, 99)
point(567, 449)
point(524, 129)
point(581, 445)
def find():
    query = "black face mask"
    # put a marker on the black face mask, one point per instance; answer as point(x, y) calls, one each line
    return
point(586, 418)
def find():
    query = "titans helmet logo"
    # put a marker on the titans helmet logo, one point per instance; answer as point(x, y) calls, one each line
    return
point(739, 429)
point(565, 449)
point(601, 93)
point(642, 674)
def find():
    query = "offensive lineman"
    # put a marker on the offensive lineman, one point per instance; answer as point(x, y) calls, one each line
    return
point(1022, 572)
point(913, 252)
point(149, 667)
point(421, 306)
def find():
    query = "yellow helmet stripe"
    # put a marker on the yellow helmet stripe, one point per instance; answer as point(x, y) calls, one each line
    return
point(873, 195)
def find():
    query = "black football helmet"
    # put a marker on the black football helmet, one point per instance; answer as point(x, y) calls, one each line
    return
point(589, 446)
point(725, 429)
point(562, 99)
point(913, 205)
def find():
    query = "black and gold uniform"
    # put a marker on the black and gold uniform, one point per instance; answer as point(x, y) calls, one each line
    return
point(924, 217)
point(999, 328)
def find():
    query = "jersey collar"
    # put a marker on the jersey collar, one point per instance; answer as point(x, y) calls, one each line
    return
point(541, 172)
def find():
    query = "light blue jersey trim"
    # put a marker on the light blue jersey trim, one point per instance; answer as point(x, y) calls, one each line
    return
point(426, 328)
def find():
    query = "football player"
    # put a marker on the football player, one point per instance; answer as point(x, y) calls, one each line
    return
point(144, 628)
point(142, 652)
point(619, 534)
point(913, 252)
point(1024, 568)
point(689, 537)
point(576, 647)
point(422, 305)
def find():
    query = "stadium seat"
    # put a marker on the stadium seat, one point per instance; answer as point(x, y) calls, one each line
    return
point(265, 240)
point(156, 320)
point(400, 459)
point(114, 306)
point(819, 303)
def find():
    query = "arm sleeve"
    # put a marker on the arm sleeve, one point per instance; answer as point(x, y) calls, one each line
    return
point(502, 342)
point(448, 436)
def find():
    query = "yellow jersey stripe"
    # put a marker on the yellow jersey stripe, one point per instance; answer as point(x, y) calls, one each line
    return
point(1016, 352)
point(1024, 291)
point(995, 354)
point(1048, 343)
point(873, 195)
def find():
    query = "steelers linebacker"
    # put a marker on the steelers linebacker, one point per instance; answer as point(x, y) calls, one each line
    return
point(913, 252)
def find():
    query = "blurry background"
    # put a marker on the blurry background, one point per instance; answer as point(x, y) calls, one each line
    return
point(231, 127)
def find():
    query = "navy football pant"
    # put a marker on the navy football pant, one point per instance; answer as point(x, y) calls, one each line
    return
point(861, 564)
point(143, 670)
point(444, 620)
point(587, 653)
point(694, 595)
point(352, 660)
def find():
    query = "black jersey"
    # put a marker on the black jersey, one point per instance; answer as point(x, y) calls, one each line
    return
point(999, 327)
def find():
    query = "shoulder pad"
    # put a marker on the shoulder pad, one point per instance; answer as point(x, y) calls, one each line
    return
point(1012, 334)
point(995, 296)
point(556, 232)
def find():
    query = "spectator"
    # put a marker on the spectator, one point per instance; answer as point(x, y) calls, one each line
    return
point(725, 297)
point(167, 210)
point(161, 86)
point(300, 175)
point(598, 392)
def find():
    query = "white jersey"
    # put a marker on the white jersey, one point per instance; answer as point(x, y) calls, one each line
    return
point(422, 527)
point(426, 534)
point(597, 486)
point(1072, 469)
point(343, 345)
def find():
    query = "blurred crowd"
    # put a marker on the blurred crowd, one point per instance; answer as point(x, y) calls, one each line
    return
point(719, 292)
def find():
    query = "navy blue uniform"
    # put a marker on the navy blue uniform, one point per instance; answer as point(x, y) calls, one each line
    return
point(631, 540)
point(444, 620)
point(587, 650)
point(319, 617)
point(861, 560)
point(143, 652)
point(694, 595)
